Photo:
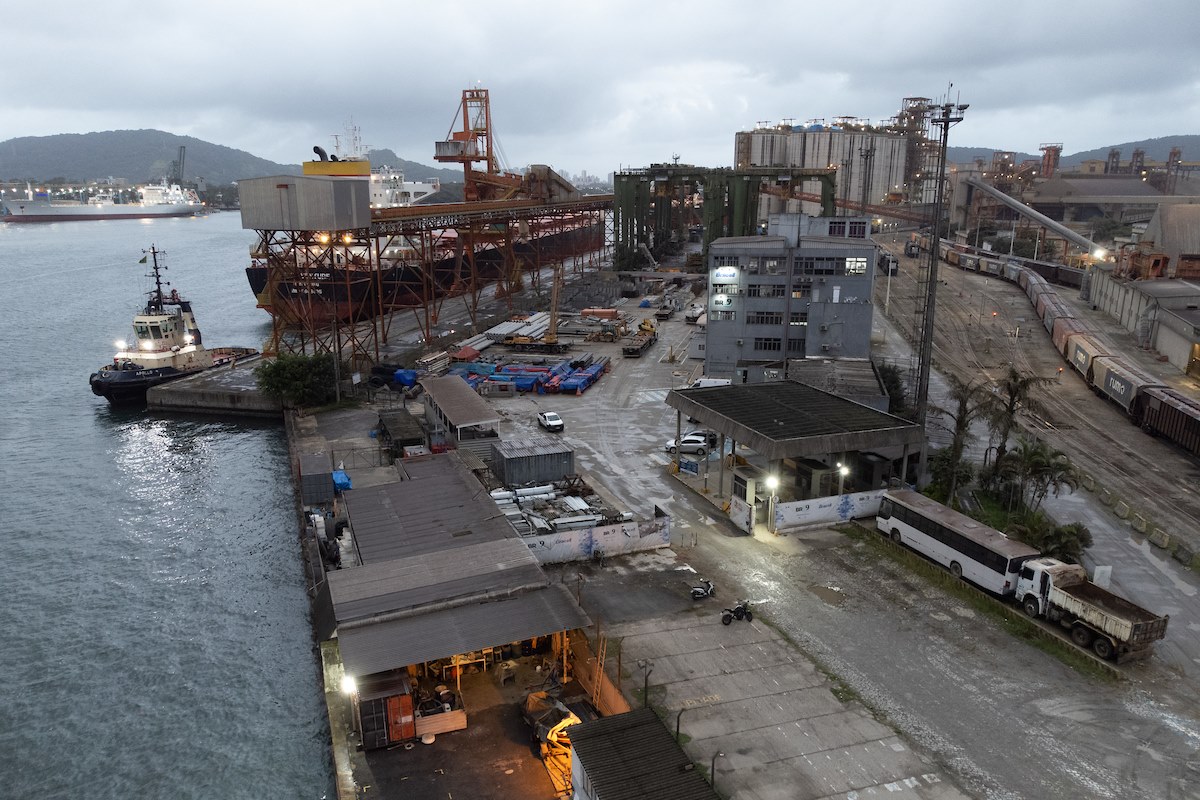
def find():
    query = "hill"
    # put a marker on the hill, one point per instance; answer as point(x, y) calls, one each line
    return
point(146, 155)
point(1156, 150)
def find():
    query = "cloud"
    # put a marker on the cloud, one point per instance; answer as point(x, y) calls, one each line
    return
point(594, 85)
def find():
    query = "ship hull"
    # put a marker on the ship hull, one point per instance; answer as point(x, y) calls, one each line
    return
point(128, 387)
point(320, 297)
point(36, 212)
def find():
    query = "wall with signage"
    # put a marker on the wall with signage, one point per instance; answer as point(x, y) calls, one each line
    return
point(827, 510)
point(611, 540)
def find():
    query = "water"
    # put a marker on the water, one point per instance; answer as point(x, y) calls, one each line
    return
point(156, 632)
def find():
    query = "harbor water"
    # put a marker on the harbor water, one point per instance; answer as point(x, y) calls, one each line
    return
point(157, 641)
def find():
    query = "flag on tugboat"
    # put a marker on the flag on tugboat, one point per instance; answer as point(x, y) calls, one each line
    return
point(143, 261)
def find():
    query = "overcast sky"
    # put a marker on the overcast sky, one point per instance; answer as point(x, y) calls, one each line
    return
point(597, 85)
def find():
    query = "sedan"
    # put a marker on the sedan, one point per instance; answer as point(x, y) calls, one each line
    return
point(550, 421)
point(698, 443)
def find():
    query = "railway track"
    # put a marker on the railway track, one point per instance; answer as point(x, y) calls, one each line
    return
point(1149, 474)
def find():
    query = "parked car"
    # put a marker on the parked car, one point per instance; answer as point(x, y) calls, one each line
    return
point(698, 442)
point(550, 421)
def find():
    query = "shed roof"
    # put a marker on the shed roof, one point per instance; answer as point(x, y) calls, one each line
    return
point(632, 756)
point(1097, 186)
point(381, 646)
point(440, 577)
point(402, 426)
point(845, 377)
point(440, 506)
point(459, 402)
point(787, 419)
point(1175, 229)
point(531, 445)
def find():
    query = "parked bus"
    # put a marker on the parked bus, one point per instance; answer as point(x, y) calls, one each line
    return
point(968, 548)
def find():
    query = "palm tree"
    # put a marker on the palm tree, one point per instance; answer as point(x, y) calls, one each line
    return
point(1063, 542)
point(1019, 465)
point(970, 402)
point(1054, 472)
point(1012, 393)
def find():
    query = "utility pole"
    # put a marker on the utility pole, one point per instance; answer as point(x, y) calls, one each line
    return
point(944, 117)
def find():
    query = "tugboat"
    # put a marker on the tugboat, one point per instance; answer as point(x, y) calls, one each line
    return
point(168, 346)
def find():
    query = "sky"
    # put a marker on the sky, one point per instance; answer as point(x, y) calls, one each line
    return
point(597, 86)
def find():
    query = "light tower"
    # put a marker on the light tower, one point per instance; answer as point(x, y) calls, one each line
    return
point(944, 117)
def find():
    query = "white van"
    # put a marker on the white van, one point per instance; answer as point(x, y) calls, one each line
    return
point(704, 383)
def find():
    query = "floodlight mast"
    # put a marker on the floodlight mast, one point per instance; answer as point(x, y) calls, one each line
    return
point(944, 117)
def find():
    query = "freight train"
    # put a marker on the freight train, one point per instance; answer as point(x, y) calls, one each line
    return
point(1158, 409)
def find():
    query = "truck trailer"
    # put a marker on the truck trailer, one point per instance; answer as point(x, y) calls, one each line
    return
point(1113, 627)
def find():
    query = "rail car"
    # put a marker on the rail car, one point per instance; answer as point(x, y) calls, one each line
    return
point(1159, 410)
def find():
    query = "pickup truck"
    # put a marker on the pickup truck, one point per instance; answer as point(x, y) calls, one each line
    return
point(1113, 627)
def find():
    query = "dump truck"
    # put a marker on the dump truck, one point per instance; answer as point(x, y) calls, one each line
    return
point(1113, 627)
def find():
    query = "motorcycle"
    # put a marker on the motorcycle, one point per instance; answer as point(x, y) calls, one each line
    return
point(707, 590)
point(739, 611)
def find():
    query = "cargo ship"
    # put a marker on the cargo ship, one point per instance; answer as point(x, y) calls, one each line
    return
point(363, 284)
point(156, 200)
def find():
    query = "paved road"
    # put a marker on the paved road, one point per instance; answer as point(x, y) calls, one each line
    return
point(1008, 720)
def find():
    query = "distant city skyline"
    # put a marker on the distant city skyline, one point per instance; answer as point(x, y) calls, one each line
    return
point(613, 85)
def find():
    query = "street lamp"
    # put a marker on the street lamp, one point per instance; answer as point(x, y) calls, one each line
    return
point(842, 471)
point(712, 768)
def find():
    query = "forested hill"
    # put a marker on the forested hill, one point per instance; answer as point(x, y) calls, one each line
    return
point(147, 155)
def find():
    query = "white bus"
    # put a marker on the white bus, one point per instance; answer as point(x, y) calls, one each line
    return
point(968, 548)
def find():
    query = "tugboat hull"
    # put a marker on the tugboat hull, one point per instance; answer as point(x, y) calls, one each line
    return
point(128, 387)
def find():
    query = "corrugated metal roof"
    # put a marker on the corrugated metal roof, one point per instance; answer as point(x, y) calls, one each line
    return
point(531, 445)
point(1099, 186)
point(844, 377)
point(1175, 229)
point(787, 419)
point(441, 506)
point(440, 634)
point(458, 401)
point(632, 756)
point(407, 583)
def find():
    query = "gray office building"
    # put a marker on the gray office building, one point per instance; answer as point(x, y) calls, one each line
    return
point(801, 291)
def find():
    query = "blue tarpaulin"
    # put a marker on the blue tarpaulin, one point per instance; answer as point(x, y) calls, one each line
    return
point(341, 481)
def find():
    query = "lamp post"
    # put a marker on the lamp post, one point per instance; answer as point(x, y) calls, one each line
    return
point(712, 768)
point(842, 471)
point(944, 116)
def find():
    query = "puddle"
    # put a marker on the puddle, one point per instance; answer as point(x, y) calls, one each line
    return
point(831, 595)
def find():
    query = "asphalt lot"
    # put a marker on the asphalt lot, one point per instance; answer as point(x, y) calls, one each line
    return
point(1004, 719)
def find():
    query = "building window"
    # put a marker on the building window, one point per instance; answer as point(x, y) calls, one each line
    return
point(773, 266)
point(856, 266)
point(725, 261)
point(763, 343)
point(795, 345)
point(726, 288)
point(764, 318)
point(721, 316)
point(752, 265)
point(858, 230)
point(765, 290)
point(837, 227)
point(798, 318)
point(819, 266)
point(802, 291)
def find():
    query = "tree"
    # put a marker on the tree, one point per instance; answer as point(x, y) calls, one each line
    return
point(970, 402)
point(1063, 542)
point(298, 380)
point(889, 375)
point(1012, 393)
point(1054, 472)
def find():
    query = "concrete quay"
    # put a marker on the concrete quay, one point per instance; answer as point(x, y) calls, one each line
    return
point(224, 390)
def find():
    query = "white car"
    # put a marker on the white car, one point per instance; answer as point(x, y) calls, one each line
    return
point(698, 443)
point(550, 421)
